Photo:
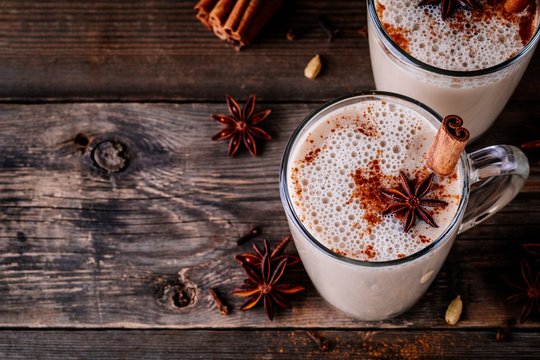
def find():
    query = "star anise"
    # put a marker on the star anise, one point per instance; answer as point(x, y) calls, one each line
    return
point(276, 255)
point(530, 291)
point(240, 125)
point(265, 281)
point(533, 249)
point(410, 202)
point(448, 6)
point(535, 144)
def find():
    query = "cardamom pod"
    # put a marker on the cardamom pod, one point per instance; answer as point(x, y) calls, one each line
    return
point(313, 67)
point(454, 310)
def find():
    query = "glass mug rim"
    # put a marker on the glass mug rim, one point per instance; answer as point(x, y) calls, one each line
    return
point(292, 215)
point(372, 13)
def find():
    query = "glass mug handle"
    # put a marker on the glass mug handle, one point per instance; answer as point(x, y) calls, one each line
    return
point(497, 174)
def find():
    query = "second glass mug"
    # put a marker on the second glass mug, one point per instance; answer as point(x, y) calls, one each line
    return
point(380, 290)
point(476, 96)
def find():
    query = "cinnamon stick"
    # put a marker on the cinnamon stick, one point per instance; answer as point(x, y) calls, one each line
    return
point(249, 30)
point(516, 6)
point(236, 21)
point(203, 9)
point(218, 16)
point(251, 11)
point(448, 145)
point(235, 17)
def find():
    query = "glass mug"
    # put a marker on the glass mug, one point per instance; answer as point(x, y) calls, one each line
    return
point(381, 290)
point(476, 96)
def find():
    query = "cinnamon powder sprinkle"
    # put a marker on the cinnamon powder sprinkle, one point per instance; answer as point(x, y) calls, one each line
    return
point(365, 124)
point(368, 130)
point(339, 252)
point(367, 127)
point(296, 183)
point(398, 34)
point(526, 24)
point(368, 180)
point(369, 252)
point(424, 239)
point(312, 155)
point(462, 22)
point(379, 8)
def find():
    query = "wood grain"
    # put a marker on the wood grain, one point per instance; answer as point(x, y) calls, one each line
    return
point(251, 344)
point(99, 265)
point(80, 247)
point(128, 50)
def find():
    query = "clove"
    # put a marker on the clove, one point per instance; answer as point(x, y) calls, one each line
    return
point(505, 334)
point(297, 33)
point(248, 236)
point(222, 307)
point(502, 335)
point(291, 35)
point(362, 32)
point(328, 28)
point(321, 342)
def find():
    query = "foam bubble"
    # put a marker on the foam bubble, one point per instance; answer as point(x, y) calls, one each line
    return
point(466, 41)
point(329, 203)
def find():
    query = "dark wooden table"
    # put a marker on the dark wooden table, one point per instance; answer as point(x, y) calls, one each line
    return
point(103, 265)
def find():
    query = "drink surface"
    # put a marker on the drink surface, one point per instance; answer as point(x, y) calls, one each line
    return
point(338, 166)
point(465, 41)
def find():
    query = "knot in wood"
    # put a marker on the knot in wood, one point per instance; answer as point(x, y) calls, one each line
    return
point(176, 296)
point(111, 156)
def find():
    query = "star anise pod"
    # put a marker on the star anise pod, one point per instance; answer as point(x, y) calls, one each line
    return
point(410, 202)
point(533, 249)
point(276, 255)
point(448, 6)
point(240, 125)
point(530, 291)
point(265, 282)
point(535, 144)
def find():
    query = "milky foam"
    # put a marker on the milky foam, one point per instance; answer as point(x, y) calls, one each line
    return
point(339, 164)
point(466, 41)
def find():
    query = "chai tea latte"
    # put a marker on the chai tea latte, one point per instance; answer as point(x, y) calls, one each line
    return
point(339, 166)
point(332, 170)
point(467, 64)
point(466, 40)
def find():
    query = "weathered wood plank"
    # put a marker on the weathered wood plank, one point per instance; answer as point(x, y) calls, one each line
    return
point(251, 344)
point(129, 50)
point(79, 248)
point(139, 50)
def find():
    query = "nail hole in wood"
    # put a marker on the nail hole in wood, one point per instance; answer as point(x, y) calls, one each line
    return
point(110, 156)
point(81, 140)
